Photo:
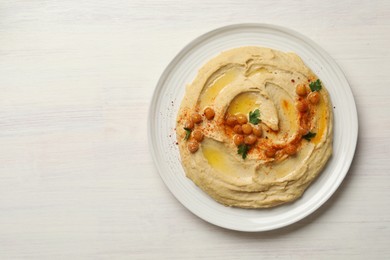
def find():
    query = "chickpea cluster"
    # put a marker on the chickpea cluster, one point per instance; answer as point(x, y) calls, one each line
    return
point(245, 133)
point(197, 134)
point(306, 97)
point(311, 97)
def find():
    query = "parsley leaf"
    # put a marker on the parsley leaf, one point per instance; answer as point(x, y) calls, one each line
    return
point(188, 133)
point(254, 117)
point(316, 85)
point(243, 150)
point(309, 136)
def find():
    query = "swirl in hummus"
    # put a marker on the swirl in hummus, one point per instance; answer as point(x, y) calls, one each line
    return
point(254, 128)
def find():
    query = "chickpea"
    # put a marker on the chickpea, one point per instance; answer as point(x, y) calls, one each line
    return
point(209, 113)
point(197, 118)
point(314, 97)
point(301, 90)
point(237, 129)
point(231, 120)
point(193, 146)
point(238, 139)
point(290, 149)
point(303, 130)
point(302, 106)
point(270, 152)
point(257, 130)
point(197, 135)
point(250, 139)
point(189, 124)
point(241, 119)
point(247, 129)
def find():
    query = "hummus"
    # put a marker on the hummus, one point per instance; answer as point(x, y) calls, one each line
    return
point(254, 128)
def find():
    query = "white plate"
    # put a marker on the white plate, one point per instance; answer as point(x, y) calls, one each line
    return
point(170, 91)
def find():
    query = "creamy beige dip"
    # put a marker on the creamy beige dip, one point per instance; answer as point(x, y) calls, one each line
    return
point(296, 138)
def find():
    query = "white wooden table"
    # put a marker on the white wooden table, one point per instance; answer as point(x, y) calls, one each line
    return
point(76, 175)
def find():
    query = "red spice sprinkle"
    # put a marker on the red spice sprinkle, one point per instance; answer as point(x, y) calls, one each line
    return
point(177, 143)
point(292, 80)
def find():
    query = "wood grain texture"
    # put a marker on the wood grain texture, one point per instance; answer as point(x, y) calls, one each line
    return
point(76, 177)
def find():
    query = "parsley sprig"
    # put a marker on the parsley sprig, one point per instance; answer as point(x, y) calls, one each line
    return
point(309, 136)
point(188, 133)
point(315, 86)
point(254, 117)
point(243, 150)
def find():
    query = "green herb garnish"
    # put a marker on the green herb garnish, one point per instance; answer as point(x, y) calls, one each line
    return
point(309, 136)
point(316, 85)
point(254, 117)
point(243, 150)
point(188, 133)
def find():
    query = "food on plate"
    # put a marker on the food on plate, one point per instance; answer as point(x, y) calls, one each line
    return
point(254, 128)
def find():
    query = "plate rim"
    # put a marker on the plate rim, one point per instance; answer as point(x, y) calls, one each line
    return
point(199, 39)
